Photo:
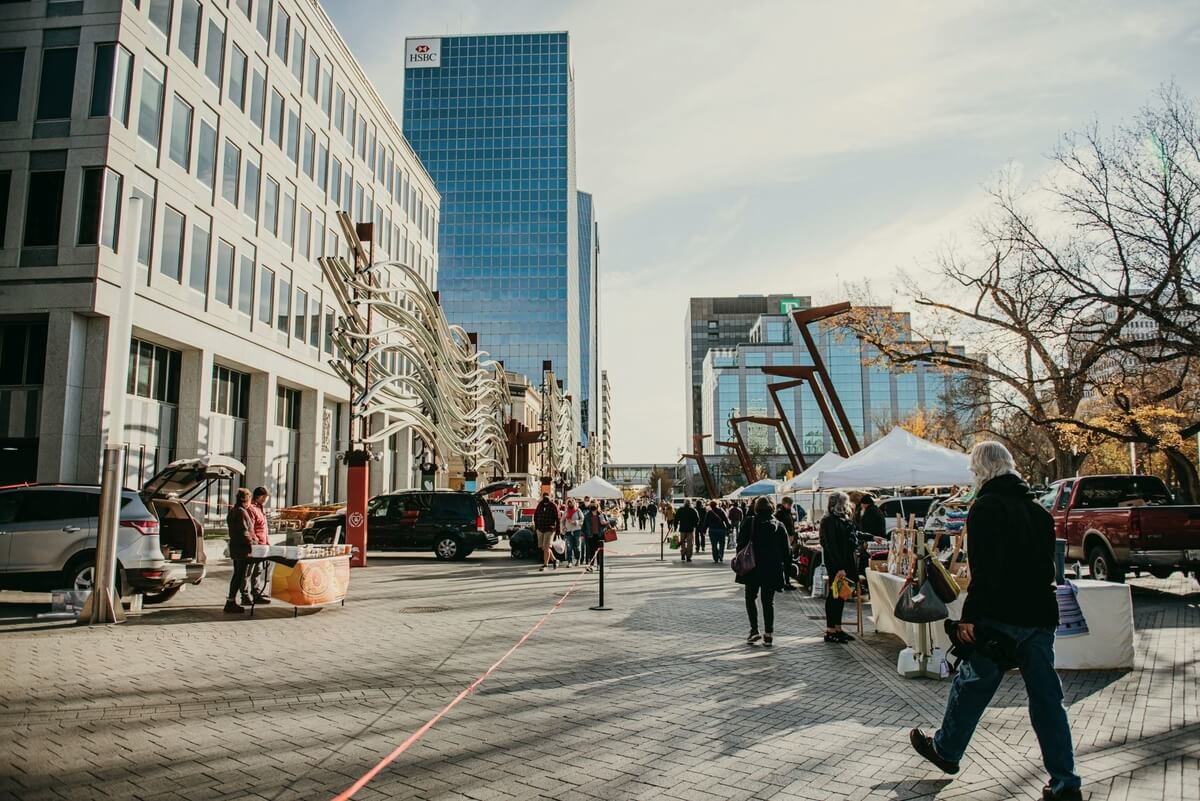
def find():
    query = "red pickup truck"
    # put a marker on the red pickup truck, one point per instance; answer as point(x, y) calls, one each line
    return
point(1117, 523)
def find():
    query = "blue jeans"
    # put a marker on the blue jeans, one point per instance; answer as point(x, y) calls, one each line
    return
point(574, 553)
point(975, 684)
point(717, 537)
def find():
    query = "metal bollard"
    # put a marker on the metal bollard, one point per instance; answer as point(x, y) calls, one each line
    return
point(600, 558)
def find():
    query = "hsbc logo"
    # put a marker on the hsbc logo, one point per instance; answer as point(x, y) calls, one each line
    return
point(422, 53)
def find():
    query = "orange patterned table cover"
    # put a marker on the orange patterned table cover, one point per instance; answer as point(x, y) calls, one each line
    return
point(312, 582)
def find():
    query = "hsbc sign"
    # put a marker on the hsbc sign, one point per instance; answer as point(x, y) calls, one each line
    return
point(422, 53)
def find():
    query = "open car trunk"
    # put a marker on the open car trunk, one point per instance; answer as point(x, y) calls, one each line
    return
point(167, 493)
point(181, 536)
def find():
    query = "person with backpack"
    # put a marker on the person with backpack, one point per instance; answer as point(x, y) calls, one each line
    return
point(688, 520)
point(1010, 613)
point(839, 544)
point(764, 535)
point(716, 525)
point(547, 524)
point(736, 515)
point(572, 523)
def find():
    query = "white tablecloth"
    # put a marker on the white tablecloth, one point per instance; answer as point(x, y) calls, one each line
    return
point(1107, 608)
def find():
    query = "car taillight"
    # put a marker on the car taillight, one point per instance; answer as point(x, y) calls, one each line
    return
point(479, 524)
point(145, 527)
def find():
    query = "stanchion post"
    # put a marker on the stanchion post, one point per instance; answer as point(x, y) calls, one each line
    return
point(600, 558)
point(662, 557)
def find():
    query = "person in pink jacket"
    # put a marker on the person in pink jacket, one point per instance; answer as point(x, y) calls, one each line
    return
point(260, 577)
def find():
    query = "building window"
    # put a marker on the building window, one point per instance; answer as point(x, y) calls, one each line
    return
point(5, 188)
point(237, 77)
point(258, 93)
point(266, 294)
point(245, 300)
point(43, 208)
point(305, 233)
point(283, 305)
point(187, 39)
point(151, 103)
point(327, 91)
point(230, 392)
point(309, 151)
point(206, 153)
point(297, 54)
point(293, 133)
point(288, 233)
point(276, 129)
point(282, 32)
point(339, 109)
point(153, 372)
point(314, 76)
point(170, 254)
point(244, 7)
point(314, 320)
point(100, 209)
point(223, 291)
point(262, 19)
point(351, 120)
point(300, 327)
point(287, 407)
point(198, 274)
point(58, 83)
point(160, 15)
point(327, 343)
point(22, 354)
point(231, 171)
point(180, 146)
point(111, 83)
point(250, 195)
point(335, 183)
point(323, 163)
point(146, 188)
point(271, 206)
point(12, 67)
point(214, 50)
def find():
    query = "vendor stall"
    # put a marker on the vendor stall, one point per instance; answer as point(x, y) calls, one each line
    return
point(1107, 608)
point(307, 575)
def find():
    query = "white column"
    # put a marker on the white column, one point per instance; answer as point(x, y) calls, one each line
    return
point(312, 407)
point(261, 447)
point(195, 403)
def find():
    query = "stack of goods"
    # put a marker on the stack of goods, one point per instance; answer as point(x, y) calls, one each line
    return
point(311, 551)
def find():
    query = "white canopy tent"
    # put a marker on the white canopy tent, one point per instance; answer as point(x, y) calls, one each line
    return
point(804, 481)
point(899, 459)
point(596, 487)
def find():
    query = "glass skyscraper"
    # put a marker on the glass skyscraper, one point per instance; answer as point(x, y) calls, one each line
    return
point(589, 344)
point(492, 119)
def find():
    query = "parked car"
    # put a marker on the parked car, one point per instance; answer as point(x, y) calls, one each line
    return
point(918, 505)
point(48, 532)
point(504, 517)
point(451, 523)
point(1120, 522)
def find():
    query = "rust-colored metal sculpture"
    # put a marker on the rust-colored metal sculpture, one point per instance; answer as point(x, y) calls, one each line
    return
point(803, 318)
point(710, 486)
point(794, 457)
point(806, 375)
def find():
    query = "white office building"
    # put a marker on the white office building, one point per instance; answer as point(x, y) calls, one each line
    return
point(244, 125)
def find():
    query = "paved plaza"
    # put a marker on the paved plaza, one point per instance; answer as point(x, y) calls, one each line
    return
point(657, 698)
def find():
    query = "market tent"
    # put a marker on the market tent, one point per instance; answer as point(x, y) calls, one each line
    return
point(899, 459)
point(765, 486)
point(804, 481)
point(596, 487)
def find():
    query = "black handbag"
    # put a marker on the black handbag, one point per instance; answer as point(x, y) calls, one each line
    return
point(920, 607)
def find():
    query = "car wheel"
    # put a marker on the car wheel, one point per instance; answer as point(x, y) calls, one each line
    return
point(1102, 565)
point(447, 548)
point(81, 575)
point(161, 597)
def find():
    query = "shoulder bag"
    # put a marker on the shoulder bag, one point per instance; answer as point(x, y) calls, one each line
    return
point(937, 576)
point(920, 607)
point(743, 562)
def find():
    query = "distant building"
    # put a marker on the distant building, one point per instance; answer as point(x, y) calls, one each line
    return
point(875, 396)
point(721, 323)
point(590, 418)
point(606, 429)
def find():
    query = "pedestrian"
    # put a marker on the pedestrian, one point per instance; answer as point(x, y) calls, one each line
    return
point(764, 534)
point(241, 534)
point(626, 511)
point(1011, 609)
point(594, 524)
point(788, 520)
point(669, 516)
point(546, 523)
point(260, 574)
point(652, 512)
point(701, 535)
point(716, 525)
point(839, 543)
point(641, 516)
point(572, 523)
point(736, 515)
point(870, 518)
point(688, 520)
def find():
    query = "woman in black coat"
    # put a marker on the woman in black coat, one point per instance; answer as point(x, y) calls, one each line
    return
point(838, 543)
point(762, 532)
point(716, 525)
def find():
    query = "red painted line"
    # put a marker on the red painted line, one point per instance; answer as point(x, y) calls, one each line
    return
point(471, 688)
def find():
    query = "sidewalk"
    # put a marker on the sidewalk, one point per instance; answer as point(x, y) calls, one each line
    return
point(658, 698)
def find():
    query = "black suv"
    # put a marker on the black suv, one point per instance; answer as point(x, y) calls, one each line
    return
point(450, 523)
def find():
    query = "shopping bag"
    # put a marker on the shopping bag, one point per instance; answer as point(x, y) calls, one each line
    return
point(940, 579)
point(820, 579)
point(920, 607)
point(610, 535)
point(673, 541)
point(1071, 621)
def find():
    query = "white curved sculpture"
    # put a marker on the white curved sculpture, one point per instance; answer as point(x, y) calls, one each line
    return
point(450, 394)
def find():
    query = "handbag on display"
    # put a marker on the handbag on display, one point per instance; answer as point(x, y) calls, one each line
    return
point(937, 576)
point(920, 607)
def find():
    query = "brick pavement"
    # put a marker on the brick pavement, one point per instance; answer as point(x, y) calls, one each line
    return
point(658, 698)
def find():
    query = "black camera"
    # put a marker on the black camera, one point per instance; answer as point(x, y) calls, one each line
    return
point(989, 643)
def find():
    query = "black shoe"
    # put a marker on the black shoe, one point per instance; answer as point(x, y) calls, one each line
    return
point(788, 588)
point(261, 600)
point(1071, 794)
point(753, 638)
point(833, 638)
point(923, 745)
point(554, 565)
point(767, 640)
point(232, 608)
point(542, 569)
point(844, 637)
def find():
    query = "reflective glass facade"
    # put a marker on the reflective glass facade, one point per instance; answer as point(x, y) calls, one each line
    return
point(589, 357)
point(493, 124)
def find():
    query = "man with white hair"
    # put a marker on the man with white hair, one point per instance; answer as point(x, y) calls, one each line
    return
point(1008, 620)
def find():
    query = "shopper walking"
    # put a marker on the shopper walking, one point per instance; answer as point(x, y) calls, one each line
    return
point(652, 511)
point(1011, 602)
point(594, 524)
point(688, 520)
point(717, 526)
point(870, 519)
point(241, 534)
point(641, 516)
point(547, 524)
point(839, 543)
point(761, 532)
point(626, 511)
point(572, 524)
point(735, 515)
point(668, 511)
point(260, 573)
point(788, 520)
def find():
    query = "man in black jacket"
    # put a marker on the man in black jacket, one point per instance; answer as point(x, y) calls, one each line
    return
point(787, 519)
point(1011, 601)
point(688, 520)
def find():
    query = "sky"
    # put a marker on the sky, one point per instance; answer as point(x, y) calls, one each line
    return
point(794, 147)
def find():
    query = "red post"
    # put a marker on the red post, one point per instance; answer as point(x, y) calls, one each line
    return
point(357, 489)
